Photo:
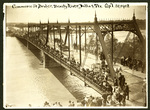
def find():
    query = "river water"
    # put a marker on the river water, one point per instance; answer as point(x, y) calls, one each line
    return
point(27, 82)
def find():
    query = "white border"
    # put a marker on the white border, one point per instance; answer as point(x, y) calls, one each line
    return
point(4, 46)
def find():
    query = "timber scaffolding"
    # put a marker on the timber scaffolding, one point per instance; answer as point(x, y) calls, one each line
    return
point(38, 35)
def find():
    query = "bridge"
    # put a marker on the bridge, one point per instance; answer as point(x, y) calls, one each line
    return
point(56, 49)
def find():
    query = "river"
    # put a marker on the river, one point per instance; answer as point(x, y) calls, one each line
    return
point(27, 82)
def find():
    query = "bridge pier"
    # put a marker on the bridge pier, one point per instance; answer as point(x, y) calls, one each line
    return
point(45, 60)
point(23, 41)
point(30, 46)
point(27, 45)
point(48, 62)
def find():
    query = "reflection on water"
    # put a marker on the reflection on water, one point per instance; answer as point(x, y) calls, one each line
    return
point(72, 83)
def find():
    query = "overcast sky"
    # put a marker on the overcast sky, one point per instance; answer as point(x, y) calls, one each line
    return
point(74, 14)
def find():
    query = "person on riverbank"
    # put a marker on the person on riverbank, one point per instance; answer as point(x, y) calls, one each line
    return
point(46, 104)
point(71, 104)
point(79, 104)
point(59, 105)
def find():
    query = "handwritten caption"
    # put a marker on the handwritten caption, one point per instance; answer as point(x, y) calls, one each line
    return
point(78, 6)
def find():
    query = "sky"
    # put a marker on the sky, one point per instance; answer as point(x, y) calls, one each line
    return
point(16, 14)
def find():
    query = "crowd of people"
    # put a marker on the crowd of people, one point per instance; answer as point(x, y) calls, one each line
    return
point(119, 90)
point(132, 63)
point(105, 100)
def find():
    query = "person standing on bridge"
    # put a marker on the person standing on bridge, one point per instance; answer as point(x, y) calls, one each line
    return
point(122, 81)
point(115, 81)
point(126, 91)
point(103, 64)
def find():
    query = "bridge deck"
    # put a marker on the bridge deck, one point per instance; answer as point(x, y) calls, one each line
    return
point(126, 72)
point(77, 72)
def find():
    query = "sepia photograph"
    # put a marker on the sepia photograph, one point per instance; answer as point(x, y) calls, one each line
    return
point(75, 55)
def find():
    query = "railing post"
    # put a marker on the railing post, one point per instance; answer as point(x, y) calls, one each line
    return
point(76, 38)
point(60, 39)
point(28, 37)
point(47, 37)
point(112, 43)
point(96, 48)
point(80, 45)
point(28, 32)
point(68, 40)
point(85, 39)
point(54, 36)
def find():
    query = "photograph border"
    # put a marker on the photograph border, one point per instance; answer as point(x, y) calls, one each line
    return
point(3, 55)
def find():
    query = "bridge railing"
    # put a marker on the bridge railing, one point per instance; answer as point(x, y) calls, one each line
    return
point(64, 61)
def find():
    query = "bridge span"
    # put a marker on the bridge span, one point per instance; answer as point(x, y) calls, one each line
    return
point(38, 35)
